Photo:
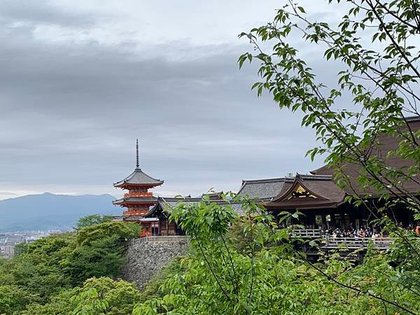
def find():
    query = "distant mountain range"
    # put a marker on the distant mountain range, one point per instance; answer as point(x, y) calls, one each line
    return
point(49, 211)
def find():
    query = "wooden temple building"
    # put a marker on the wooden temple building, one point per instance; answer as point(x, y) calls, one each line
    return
point(162, 209)
point(316, 195)
point(324, 204)
point(319, 199)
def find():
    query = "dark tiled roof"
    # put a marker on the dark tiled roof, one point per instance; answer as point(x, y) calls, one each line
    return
point(173, 201)
point(134, 200)
point(134, 218)
point(138, 177)
point(166, 204)
point(263, 189)
point(384, 144)
point(324, 193)
point(213, 195)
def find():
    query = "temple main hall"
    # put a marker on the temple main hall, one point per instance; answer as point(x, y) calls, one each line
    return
point(323, 203)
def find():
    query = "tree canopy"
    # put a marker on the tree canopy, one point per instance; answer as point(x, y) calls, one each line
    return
point(269, 275)
point(55, 264)
point(374, 52)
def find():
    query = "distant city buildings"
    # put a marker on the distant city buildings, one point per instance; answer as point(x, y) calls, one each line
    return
point(9, 240)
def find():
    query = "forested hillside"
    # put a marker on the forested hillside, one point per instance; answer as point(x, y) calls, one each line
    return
point(59, 273)
point(236, 265)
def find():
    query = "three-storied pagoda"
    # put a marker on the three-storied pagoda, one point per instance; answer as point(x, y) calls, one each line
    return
point(138, 199)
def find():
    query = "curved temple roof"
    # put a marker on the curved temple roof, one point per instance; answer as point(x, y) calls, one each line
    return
point(384, 144)
point(139, 178)
point(125, 201)
point(265, 189)
point(308, 191)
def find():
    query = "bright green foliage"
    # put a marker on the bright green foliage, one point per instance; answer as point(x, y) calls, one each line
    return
point(58, 304)
point(92, 220)
point(13, 298)
point(123, 230)
point(268, 276)
point(99, 251)
point(46, 267)
point(106, 296)
point(38, 268)
point(403, 256)
point(374, 47)
point(97, 296)
point(151, 290)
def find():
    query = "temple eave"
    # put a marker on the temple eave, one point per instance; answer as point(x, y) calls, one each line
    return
point(128, 204)
point(301, 206)
point(126, 185)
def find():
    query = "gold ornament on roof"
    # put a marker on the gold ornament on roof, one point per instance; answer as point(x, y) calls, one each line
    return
point(301, 192)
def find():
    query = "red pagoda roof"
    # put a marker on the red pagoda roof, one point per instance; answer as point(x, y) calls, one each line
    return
point(135, 201)
point(139, 178)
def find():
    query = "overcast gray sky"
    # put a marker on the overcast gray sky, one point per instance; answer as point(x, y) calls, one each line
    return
point(81, 80)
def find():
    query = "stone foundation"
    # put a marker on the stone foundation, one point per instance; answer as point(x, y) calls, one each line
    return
point(148, 255)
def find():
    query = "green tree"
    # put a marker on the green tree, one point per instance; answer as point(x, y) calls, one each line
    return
point(101, 257)
point(99, 251)
point(13, 298)
point(38, 267)
point(374, 51)
point(96, 296)
point(58, 304)
point(106, 296)
point(267, 276)
point(46, 268)
point(123, 230)
point(377, 69)
point(92, 220)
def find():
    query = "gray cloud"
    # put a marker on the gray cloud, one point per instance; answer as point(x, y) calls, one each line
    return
point(70, 113)
point(41, 13)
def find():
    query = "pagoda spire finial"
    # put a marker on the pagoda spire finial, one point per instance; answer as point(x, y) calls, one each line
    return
point(137, 153)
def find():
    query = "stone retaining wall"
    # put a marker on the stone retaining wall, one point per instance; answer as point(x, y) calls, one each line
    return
point(147, 256)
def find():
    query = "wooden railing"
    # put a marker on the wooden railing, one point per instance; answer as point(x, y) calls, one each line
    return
point(307, 233)
point(330, 242)
point(356, 243)
point(327, 242)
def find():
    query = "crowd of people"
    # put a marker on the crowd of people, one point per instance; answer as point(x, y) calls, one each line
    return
point(361, 232)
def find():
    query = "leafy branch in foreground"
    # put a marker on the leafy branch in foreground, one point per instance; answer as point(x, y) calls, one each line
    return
point(378, 85)
point(246, 265)
point(374, 51)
